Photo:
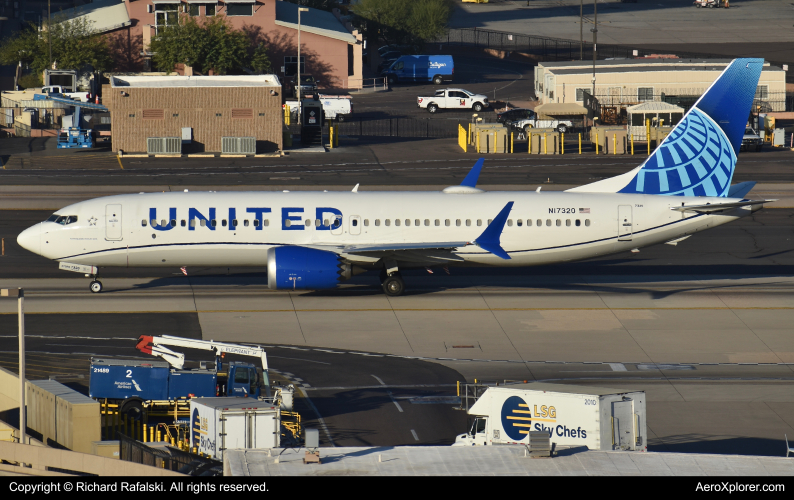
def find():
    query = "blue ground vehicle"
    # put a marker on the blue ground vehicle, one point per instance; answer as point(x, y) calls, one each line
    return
point(436, 69)
point(130, 382)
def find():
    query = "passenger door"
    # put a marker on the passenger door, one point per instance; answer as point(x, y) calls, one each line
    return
point(113, 223)
point(625, 223)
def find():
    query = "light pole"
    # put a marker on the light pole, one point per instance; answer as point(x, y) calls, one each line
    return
point(49, 34)
point(300, 104)
point(581, 30)
point(595, 39)
point(19, 293)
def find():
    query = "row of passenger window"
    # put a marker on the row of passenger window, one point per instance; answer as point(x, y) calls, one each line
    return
point(377, 222)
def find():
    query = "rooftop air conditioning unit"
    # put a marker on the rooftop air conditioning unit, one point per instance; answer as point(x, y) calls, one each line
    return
point(239, 145)
point(164, 145)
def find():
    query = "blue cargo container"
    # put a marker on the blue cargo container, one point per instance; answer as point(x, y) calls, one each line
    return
point(436, 69)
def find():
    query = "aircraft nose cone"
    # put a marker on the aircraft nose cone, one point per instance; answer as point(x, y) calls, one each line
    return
point(30, 239)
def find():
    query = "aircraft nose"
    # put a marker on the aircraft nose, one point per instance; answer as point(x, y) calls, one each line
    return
point(30, 239)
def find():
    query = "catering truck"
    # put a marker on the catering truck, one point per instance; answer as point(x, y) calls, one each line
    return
point(130, 383)
point(219, 424)
point(601, 419)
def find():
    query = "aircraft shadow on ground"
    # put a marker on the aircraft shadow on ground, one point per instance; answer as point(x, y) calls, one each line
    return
point(575, 277)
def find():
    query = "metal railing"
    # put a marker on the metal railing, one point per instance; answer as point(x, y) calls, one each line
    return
point(555, 48)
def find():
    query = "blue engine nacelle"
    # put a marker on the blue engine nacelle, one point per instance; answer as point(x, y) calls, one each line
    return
point(301, 268)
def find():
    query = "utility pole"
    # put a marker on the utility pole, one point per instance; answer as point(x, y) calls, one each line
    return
point(20, 295)
point(49, 33)
point(581, 30)
point(300, 104)
point(595, 40)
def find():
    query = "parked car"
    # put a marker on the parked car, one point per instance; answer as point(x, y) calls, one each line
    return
point(526, 119)
point(751, 140)
point(402, 49)
point(453, 99)
point(308, 85)
point(437, 69)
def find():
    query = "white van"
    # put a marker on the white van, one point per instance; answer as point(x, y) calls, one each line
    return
point(337, 107)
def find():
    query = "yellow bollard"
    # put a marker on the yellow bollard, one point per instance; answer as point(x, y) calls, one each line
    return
point(596, 142)
point(562, 143)
point(545, 144)
point(331, 129)
point(144, 432)
point(529, 140)
point(478, 142)
point(458, 388)
point(511, 143)
point(614, 144)
point(648, 134)
point(159, 435)
point(580, 143)
point(151, 434)
point(632, 144)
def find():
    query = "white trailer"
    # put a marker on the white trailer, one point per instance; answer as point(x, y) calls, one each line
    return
point(218, 424)
point(599, 418)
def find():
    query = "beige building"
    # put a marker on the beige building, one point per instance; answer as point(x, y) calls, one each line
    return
point(626, 82)
point(195, 114)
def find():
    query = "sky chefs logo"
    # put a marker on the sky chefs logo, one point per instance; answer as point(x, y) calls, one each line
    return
point(518, 418)
point(195, 425)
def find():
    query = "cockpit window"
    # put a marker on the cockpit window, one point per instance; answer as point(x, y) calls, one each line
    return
point(62, 219)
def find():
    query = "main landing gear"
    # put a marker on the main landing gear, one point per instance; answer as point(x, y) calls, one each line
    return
point(392, 280)
point(96, 285)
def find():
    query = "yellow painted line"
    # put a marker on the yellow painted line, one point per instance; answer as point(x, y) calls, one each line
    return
point(119, 159)
point(207, 311)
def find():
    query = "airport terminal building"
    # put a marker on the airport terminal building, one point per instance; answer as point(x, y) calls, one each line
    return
point(627, 82)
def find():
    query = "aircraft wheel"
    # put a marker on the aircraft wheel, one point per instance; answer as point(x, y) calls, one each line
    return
point(393, 285)
point(96, 286)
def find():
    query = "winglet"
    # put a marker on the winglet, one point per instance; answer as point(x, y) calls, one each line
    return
point(474, 174)
point(490, 239)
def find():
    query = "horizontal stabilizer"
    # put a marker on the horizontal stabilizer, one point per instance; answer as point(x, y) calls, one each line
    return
point(718, 207)
point(740, 190)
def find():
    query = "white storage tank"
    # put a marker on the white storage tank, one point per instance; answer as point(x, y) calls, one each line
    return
point(218, 424)
point(596, 417)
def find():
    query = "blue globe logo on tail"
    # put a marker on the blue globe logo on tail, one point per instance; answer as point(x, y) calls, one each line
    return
point(516, 418)
point(195, 424)
point(695, 160)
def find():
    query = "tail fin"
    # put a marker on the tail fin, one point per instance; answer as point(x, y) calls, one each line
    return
point(698, 158)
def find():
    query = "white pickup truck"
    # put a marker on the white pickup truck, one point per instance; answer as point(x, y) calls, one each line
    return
point(453, 99)
point(57, 91)
point(526, 119)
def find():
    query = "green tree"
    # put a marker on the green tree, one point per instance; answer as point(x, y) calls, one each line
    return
point(403, 21)
point(75, 43)
point(260, 62)
point(212, 44)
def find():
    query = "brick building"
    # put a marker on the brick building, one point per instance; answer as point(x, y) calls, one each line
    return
point(330, 50)
point(205, 113)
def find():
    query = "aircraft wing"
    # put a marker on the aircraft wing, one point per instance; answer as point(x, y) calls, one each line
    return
point(395, 247)
point(718, 207)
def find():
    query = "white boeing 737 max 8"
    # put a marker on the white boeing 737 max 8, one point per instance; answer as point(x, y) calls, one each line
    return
point(314, 240)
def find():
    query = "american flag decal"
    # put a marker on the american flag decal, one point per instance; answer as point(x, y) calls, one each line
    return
point(584, 210)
